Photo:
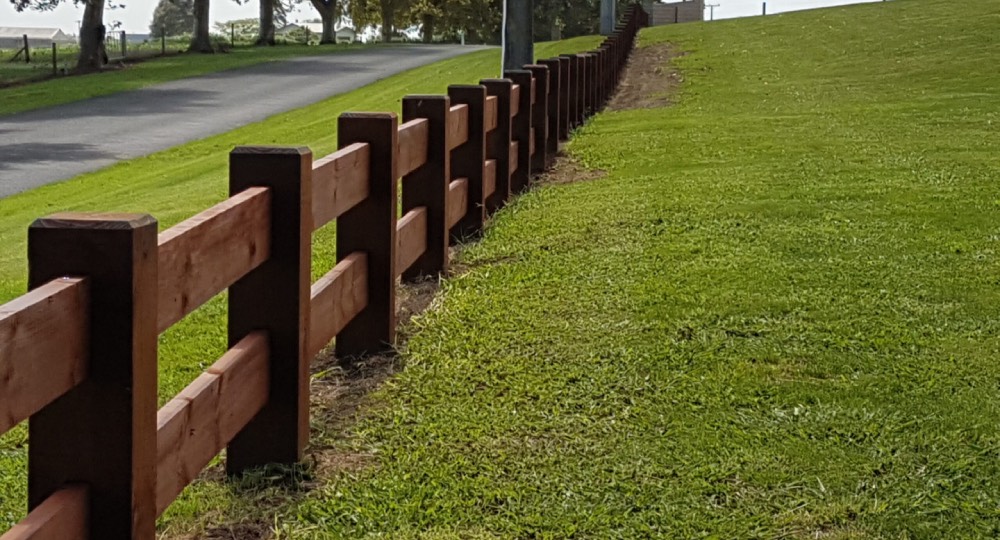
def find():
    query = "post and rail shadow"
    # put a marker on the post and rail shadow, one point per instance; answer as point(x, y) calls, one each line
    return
point(78, 353)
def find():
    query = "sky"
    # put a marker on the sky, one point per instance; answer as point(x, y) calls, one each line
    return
point(136, 15)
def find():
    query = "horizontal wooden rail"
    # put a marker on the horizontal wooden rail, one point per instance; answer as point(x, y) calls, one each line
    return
point(458, 201)
point(412, 146)
point(490, 177)
point(490, 114)
point(63, 516)
point(43, 348)
point(335, 299)
point(515, 100)
point(202, 256)
point(411, 238)
point(340, 181)
point(458, 125)
point(199, 422)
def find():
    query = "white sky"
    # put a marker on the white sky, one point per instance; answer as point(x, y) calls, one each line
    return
point(136, 15)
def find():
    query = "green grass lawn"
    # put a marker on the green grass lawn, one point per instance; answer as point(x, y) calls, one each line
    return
point(68, 89)
point(175, 184)
point(776, 317)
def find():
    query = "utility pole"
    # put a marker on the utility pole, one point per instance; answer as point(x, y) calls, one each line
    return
point(518, 37)
point(607, 17)
point(711, 11)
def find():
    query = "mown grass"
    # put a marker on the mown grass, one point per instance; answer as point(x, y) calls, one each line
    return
point(776, 317)
point(69, 89)
point(177, 183)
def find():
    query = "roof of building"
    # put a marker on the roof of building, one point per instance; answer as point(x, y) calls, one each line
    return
point(32, 33)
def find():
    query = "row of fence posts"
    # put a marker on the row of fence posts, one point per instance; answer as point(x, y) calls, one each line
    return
point(101, 438)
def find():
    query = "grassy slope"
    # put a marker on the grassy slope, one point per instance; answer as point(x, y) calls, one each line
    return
point(775, 318)
point(69, 89)
point(175, 184)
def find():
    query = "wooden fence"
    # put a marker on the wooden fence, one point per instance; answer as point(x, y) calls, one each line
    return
point(78, 353)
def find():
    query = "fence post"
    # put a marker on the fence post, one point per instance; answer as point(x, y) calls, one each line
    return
point(124, 50)
point(540, 116)
point(428, 185)
point(27, 50)
point(498, 141)
point(573, 89)
point(469, 160)
point(163, 40)
point(555, 92)
point(55, 63)
point(585, 104)
point(521, 130)
point(275, 297)
point(103, 432)
point(565, 97)
point(371, 227)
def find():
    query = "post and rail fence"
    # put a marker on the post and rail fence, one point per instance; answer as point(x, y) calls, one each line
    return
point(78, 353)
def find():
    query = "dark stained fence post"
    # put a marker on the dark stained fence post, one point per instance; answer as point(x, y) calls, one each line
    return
point(540, 117)
point(573, 94)
point(103, 432)
point(428, 185)
point(581, 88)
point(275, 297)
point(521, 130)
point(469, 159)
point(371, 227)
point(591, 60)
point(565, 97)
point(498, 141)
point(555, 91)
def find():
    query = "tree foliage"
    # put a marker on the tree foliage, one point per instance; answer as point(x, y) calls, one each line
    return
point(172, 18)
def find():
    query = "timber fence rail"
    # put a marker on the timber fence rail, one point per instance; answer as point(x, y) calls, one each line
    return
point(78, 353)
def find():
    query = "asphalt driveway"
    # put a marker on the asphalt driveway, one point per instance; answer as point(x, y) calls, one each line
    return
point(48, 145)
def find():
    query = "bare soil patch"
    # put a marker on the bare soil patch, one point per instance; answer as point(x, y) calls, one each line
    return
point(566, 169)
point(650, 79)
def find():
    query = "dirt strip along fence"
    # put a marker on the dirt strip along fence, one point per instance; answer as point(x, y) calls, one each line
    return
point(78, 353)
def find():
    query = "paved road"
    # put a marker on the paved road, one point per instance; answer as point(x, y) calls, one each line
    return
point(47, 145)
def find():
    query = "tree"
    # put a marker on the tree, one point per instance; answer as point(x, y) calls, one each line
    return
point(201, 41)
point(92, 29)
point(329, 12)
point(172, 18)
point(385, 13)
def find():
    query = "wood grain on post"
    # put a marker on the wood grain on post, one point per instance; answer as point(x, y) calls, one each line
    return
point(274, 298)
point(498, 142)
point(340, 181)
point(193, 427)
point(36, 368)
point(337, 297)
point(554, 119)
point(102, 432)
point(468, 159)
point(458, 125)
point(490, 178)
point(540, 117)
point(521, 129)
point(62, 516)
point(370, 227)
point(458, 200)
point(204, 254)
point(427, 186)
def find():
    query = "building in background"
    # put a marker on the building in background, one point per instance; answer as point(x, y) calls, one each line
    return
point(12, 37)
point(675, 12)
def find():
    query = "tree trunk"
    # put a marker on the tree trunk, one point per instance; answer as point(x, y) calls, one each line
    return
point(427, 28)
point(388, 19)
point(266, 36)
point(327, 9)
point(200, 39)
point(91, 38)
